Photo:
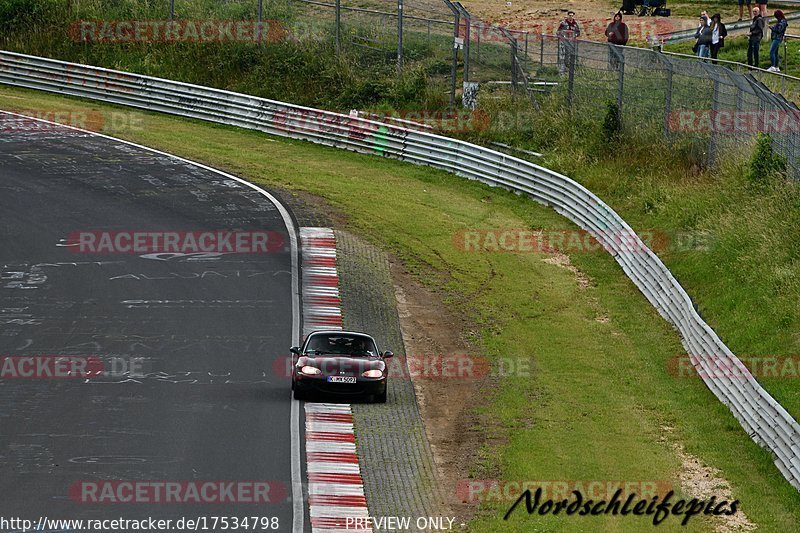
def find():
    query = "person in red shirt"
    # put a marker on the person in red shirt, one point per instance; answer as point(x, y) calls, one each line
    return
point(569, 27)
point(617, 34)
point(568, 32)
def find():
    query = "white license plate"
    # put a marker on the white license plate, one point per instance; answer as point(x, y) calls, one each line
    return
point(341, 379)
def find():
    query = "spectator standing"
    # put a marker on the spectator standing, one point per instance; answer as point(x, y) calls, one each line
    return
point(569, 27)
point(568, 32)
point(718, 34)
point(762, 7)
point(617, 34)
point(741, 8)
point(777, 33)
point(702, 45)
point(754, 37)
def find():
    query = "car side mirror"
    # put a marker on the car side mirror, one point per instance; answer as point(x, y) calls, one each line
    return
point(295, 350)
point(387, 354)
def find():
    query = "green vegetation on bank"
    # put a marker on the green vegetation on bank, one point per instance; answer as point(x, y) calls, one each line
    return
point(602, 403)
point(301, 68)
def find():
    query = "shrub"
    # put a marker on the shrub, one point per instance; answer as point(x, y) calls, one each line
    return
point(612, 123)
point(765, 163)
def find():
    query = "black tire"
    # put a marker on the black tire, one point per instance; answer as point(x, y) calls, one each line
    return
point(300, 395)
point(380, 398)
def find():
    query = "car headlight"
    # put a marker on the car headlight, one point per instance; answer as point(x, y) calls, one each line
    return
point(373, 374)
point(310, 370)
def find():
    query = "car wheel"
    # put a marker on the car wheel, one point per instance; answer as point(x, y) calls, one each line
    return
point(380, 398)
point(299, 395)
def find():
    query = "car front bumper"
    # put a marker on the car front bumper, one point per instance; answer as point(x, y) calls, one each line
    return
point(360, 387)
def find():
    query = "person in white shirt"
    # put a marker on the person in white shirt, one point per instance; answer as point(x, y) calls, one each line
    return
point(718, 34)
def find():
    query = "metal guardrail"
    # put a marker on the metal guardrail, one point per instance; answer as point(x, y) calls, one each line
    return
point(766, 421)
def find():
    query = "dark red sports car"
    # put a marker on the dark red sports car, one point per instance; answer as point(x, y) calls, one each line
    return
point(339, 362)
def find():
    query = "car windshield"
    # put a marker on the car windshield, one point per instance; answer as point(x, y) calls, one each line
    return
point(341, 345)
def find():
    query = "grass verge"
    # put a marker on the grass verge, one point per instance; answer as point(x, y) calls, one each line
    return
point(601, 403)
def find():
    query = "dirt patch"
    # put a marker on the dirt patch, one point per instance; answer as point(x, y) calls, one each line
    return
point(563, 261)
point(543, 16)
point(701, 481)
point(447, 405)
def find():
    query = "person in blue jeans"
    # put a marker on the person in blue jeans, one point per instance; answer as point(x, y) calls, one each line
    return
point(754, 37)
point(703, 35)
point(778, 31)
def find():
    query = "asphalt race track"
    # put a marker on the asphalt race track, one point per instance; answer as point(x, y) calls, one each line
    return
point(191, 389)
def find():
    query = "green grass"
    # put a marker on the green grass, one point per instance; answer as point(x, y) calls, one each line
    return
point(600, 397)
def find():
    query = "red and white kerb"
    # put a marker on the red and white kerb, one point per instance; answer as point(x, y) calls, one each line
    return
point(322, 307)
point(335, 486)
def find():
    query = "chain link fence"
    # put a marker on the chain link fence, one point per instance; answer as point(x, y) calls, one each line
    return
point(713, 107)
point(390, 29)
point(464, 48)
point(716, 107)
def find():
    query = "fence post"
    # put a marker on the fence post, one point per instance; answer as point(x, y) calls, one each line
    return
point(258, 24)
point(454, 73)
point(620, 77)
point(526, 47)
point(338, 25)
point(668, 100)
point(399, 36)
point(712, 137)
point(785, 57)
point(513, 69)
point(541, 50)
point(171, 10)
point(570, 51)
point(467, 31)
point(739, 109)
point(478, 41)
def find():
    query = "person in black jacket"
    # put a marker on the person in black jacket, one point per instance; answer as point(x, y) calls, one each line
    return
point(754, 37)
point(703, 35)
point(718, 34)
